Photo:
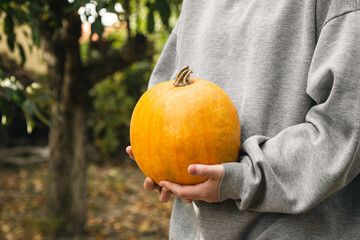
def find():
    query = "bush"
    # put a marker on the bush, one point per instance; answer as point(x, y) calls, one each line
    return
point(113, 101)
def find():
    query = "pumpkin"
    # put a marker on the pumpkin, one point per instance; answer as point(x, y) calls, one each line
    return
point(181, 122)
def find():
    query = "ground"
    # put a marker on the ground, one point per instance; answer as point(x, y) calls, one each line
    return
point(118, 206)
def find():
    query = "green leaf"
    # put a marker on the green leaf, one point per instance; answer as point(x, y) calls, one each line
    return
point(35, 30)
point(22, 54)
point(18, 98)
point(4, 6)
point(43, 119)
point(29, 106)
point(164, 10)
point(150, 19)
point(9, 92)
point(13, 90)
point(8, 28)
point(19, 13)
point(30, 124)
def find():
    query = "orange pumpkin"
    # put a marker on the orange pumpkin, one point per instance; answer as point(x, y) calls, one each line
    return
point(182, 122)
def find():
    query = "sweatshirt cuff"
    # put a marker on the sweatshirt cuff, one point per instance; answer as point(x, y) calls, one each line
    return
point(231, 184)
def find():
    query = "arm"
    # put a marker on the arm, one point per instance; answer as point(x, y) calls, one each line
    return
point(304, 164)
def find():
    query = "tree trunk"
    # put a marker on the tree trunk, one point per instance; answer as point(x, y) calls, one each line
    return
point(67, 172)
point(70, 83)
point(67, 140)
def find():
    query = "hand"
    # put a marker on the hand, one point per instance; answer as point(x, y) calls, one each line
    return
point(206, 191)
point(150, 185)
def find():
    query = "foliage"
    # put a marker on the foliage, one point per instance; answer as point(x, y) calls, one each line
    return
point(114, 98)
point(34, 101)
point(22, 12)
point(113, 104)
point(154, 14)
point(112, 109)
point(109, 121)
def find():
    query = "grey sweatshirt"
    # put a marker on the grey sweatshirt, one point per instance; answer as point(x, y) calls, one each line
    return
point(292, 69)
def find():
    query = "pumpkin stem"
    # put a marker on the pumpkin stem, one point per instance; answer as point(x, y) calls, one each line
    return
point(183, 77)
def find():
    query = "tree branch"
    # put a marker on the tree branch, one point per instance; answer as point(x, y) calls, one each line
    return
point(118, 60)
point(12, 68)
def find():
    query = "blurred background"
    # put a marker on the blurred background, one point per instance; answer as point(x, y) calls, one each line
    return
point(71, 72)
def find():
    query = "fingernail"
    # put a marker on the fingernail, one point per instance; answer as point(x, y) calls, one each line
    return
point(192, 169)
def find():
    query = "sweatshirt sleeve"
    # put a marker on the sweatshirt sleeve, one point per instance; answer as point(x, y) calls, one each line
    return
point(305, 163)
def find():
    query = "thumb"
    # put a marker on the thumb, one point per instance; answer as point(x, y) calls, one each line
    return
point(210, 171)
point(130, 152)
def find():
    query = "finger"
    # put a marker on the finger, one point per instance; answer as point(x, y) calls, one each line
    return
point(210, 171)
point(165, 195)
point(130, 152)
point(150, 185)
point(186, 192)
